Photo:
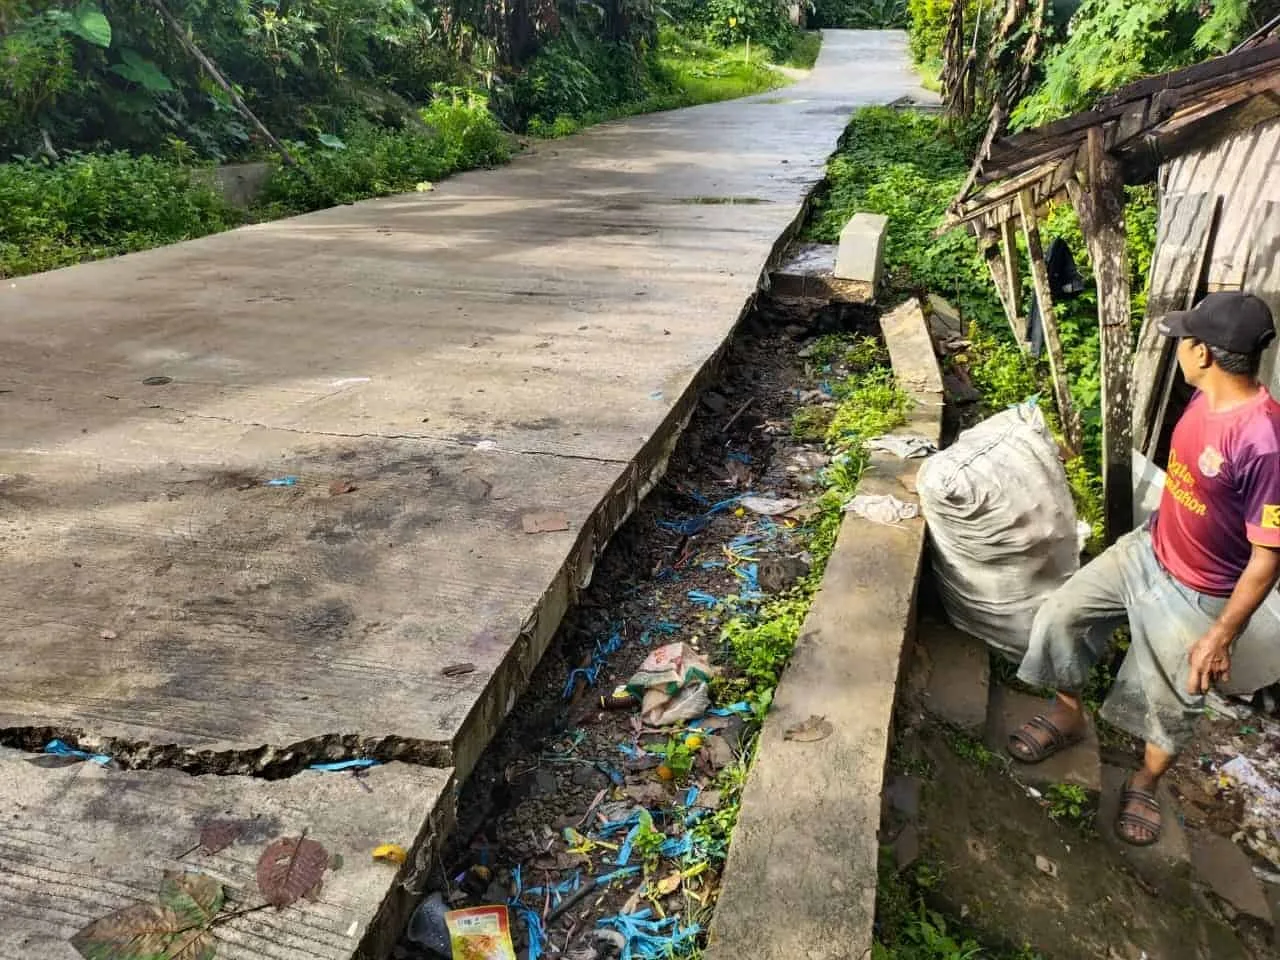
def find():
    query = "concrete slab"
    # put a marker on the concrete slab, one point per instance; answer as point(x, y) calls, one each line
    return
point(1228, 872)
point(860, 254)
point(1166, 864)
point(801, 876)
point(807, 272)
point(80, 842)
point(1079, 765)
point(959, 670)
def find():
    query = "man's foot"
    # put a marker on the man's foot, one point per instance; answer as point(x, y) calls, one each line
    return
point(1051, 732)
point(1139, 820)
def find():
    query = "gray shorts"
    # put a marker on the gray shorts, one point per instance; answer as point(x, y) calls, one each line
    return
point(1073, 630)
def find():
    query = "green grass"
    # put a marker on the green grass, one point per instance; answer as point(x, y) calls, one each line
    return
point(805, 47)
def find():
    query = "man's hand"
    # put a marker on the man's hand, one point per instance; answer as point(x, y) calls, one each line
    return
point(1210, 660)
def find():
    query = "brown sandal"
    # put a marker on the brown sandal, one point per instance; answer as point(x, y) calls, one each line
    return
point(1035, 750)
point(1141, 819)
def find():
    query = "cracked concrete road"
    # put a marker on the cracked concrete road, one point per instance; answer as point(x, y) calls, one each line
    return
point(416, 374)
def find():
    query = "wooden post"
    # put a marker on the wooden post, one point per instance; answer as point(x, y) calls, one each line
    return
point(1052, 341)
point(1099, 205)
point(1009, 246)
point(998, 262)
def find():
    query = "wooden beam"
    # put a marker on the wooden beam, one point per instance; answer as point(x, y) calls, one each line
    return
point(1009, 250)
point(1053, 342)
point(1099, 205)
point(996, 260)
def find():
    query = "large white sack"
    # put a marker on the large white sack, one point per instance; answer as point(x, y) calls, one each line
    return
point(1002, 524)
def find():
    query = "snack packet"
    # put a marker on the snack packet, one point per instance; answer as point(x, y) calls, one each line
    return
point(480, 933)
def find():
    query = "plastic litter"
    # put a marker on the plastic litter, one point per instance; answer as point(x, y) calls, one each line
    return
point(428, 926)
point(484, 933)
point(694, 524)
point(362, 763)
point(903, 446)
point(283, 482)
point(1242, 771)
point(60, 749)
point(599, 658)
point(881, 508)
point(672, 683)
point(649, 939)
point(705, 599)
point(769, 506)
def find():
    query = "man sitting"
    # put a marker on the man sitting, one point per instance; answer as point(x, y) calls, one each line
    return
point(1188, 582)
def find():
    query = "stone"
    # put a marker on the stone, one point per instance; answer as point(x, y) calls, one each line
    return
point(1079, 764)
point(1228, 872)
point(860, 255)
point(959, 685)
point(944, 319)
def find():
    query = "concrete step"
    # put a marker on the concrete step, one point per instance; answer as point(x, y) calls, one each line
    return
point(1080, 765)
point(1166, 864)
point(957, 668)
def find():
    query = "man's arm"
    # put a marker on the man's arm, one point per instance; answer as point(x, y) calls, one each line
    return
point(1210, 658)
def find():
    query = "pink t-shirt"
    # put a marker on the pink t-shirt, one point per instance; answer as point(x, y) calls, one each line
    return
point(1221, 493)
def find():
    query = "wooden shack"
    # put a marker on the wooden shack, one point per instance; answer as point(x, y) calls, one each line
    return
point(1209, 137)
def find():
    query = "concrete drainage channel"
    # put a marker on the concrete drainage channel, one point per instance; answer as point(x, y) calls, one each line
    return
point(605, 837)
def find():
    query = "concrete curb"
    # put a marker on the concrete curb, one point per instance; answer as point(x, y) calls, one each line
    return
point(800, 880)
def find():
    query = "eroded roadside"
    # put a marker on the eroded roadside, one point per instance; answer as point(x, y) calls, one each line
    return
point(570, 791)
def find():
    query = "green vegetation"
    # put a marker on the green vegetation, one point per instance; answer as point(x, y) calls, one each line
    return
point(1069, 803)
point(860, 14)
point(111, 122)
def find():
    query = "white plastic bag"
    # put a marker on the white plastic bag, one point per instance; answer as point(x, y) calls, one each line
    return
point(1002, 525)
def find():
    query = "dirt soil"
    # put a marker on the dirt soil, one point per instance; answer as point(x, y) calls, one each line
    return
point(562, 762)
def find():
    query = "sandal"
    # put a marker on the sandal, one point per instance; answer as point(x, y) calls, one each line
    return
point(1033, 749)
point(1141, 818)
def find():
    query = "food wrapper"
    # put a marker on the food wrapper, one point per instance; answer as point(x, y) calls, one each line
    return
point(670, 668)
point(480, 933)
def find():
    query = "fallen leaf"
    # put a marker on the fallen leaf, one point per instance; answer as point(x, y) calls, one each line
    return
point(339, 487)
point(336, 861)
point(107, 635)
point(217, 835)
point(668, 884)
point(718, 752)
point(1046, 866)
point(196, 897)
point(815, 728)
point(458, 669)
point(156, 381)
point(289, 868)
point(390, 853)
point(647, 793)
point(140, 932)
point(544, 522)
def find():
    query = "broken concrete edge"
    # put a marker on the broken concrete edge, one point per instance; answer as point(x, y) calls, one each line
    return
point(806, 847)
point(860, 252)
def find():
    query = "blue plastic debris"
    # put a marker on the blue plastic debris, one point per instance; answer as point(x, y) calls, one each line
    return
point(650, 939)
point(704, 598)
point(631, 751)
point(362, 763)
point(691, 796)
point(283, 482)
point(740, 457)
point(598, 659)
point(694, 524)
point(60, 749)
point(532, 921)
point(739, 707)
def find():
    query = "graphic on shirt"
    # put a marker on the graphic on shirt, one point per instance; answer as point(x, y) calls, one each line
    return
point(1210, 462)
point(1180, 483)
point(1271, 517)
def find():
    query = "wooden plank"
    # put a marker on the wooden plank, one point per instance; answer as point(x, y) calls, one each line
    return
point(1183, 240)
point(1009, 251)
point(80, 842)
point(998, 268)
point(1099, 205)
point(1262, 276)
point(1053, 341)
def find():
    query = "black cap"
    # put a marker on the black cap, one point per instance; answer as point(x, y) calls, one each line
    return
point(1230, 320)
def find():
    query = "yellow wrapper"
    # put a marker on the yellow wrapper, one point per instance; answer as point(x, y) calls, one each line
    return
point(480, 933)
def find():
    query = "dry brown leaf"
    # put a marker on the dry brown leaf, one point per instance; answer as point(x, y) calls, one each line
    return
point(289, 868)
point(217, 835)
point(546, 522)
point(339, 487)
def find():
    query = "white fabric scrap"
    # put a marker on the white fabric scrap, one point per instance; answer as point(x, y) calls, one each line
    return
point(903, 446)
point(881, 508)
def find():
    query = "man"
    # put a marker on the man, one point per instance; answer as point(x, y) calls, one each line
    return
point(1189, 581)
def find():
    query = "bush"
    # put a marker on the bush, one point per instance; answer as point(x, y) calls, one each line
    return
point(764, 22)
point(575, 79)
point(374, 161)
point(85, 207)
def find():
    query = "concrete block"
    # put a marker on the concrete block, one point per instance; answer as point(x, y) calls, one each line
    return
point(1166, 864)
point(1080, 765)
point(959, 684)
point(861, 252)
point(807, 273)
